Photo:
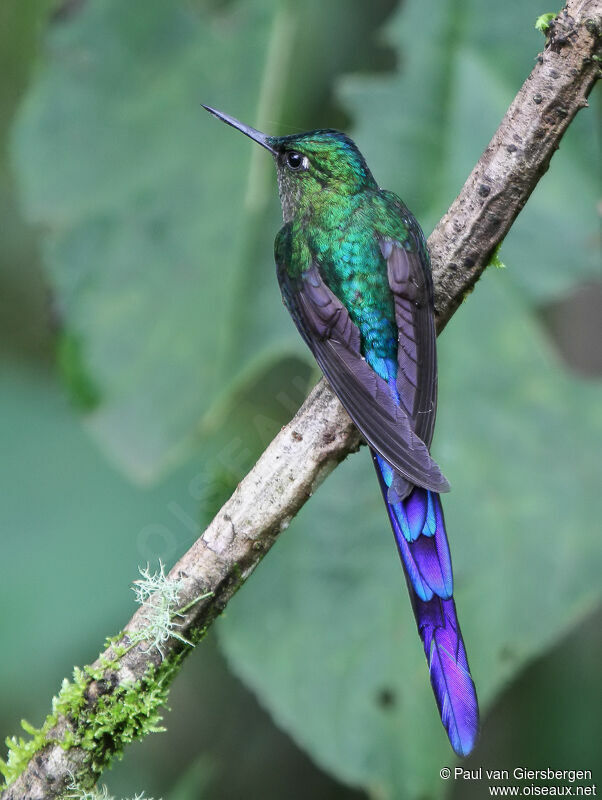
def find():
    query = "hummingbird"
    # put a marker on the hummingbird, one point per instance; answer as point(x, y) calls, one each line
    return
point(354, 272)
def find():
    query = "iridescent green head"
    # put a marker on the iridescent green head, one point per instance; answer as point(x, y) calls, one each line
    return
point(309, 163)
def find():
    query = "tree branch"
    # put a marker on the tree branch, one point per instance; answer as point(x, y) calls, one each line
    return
point(321, 434)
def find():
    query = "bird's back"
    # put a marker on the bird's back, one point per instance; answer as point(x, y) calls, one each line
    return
point(344, 242)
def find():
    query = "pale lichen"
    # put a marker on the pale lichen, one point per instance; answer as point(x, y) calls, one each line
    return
point(158, 595)
point(75, 792)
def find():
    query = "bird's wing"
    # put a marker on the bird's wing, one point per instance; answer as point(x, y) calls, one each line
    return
point(334, 339)
point(410, 283)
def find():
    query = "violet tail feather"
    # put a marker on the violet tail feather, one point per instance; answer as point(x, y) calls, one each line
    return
point(419, 528)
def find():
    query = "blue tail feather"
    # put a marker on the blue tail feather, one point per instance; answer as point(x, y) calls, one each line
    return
point(450, 674)
point(419, 527)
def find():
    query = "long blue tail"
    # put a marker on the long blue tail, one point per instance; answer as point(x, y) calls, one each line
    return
point(419, 529)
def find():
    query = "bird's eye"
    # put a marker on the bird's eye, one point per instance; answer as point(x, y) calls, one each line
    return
point(294, 160)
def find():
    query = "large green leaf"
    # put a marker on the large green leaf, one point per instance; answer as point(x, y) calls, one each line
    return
point(143, 206)
point(424, 128)
point(158, 222)
point(324, 634)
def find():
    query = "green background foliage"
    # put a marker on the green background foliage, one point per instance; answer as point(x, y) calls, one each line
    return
point(147, 361)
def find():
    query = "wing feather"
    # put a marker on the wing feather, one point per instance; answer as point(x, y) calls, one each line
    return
point(410, 283)
point(334, 340)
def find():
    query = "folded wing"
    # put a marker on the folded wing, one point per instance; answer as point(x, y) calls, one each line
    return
point(334, 340)
point(411, 286)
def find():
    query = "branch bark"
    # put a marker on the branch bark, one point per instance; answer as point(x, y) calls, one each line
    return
point(321, 434)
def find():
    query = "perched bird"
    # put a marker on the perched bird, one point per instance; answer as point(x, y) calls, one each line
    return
point(354, 272)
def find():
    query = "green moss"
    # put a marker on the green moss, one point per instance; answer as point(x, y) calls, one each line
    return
point(198, 633)
point(542, 23)
point(104, 718)
point(120, 717)
point(495, 260)
point(119, 649)
point(20, 751)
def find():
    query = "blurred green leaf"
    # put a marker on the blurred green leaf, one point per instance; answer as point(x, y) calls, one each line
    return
point(20, 25)
point(423, 129)
point(553, 698)
point(194, 783)
point(21, 293)
point(143, 205)
point(323, 633)
point(74, 532)
point(158, 221)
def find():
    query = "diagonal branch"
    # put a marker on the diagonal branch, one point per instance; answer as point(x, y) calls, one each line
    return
point(73, 742)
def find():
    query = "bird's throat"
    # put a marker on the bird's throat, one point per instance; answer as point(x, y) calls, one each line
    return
point(290, 195)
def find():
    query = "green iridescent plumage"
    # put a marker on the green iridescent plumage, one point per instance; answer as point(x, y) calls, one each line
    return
point(336, 212)
point(354, 272)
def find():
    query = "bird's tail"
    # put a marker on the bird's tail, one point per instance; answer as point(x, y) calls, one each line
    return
point(419, 529)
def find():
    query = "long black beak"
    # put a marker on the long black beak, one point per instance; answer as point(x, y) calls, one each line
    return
point(252, 133)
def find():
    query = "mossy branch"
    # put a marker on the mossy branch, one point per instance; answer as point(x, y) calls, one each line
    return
point(118, 698)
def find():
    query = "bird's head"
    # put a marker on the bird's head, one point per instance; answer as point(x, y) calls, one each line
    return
point(310, 163)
